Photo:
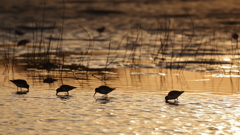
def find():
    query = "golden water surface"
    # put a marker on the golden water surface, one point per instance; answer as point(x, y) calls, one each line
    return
point(209, 105)
point(188, 35)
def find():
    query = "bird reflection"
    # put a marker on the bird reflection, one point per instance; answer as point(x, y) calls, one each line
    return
point(103, 100)
point(21, 92)
point(64, 97)
point(173, 102)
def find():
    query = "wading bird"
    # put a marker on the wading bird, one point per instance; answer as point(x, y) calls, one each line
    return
point(65, 88)
point(235, 36)
point(173, 95)
point(21, 84)
point(23, 42)
point(103, 90)
point(49, 80)
point(19, 33)
point(100, 30)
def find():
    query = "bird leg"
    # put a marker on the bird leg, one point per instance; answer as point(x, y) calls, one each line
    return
point(176, 100)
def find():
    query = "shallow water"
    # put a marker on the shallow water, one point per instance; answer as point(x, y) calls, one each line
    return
point(137, 106)
point(41, 112)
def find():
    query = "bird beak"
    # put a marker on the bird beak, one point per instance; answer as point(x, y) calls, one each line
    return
point(94, 93)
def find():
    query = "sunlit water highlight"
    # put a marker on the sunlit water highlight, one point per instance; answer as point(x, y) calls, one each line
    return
point(137, 106)
point(144, 42)
point(127, 113)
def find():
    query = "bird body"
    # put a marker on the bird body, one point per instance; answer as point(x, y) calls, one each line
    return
point(49, 80)
point(65, 88)
point(20, 83)
point(23, 42)
point(103, 90)
point(235, 36)
point(100, 30)
point(18, 32)
point(173, 95)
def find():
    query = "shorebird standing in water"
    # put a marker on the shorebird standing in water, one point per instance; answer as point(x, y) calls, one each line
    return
point(103, 90)
point(100, 30)
point(65, 88)
point(49, 80)
point(173, 95)
point(21, 84)
point(235, 36)
point(19, 33)
point(23, 42)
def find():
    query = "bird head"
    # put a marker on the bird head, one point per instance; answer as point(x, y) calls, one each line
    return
point(57, 91)
point(96, 90)
point(166, 99)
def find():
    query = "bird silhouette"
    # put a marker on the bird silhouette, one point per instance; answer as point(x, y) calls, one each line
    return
point(65, 88)
point(23, 42)
point(100, 30)
point(103, 90)
point(19, 33)
point(49, 80)
point(235, 36)
point(173, 95)
point(21, 84)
